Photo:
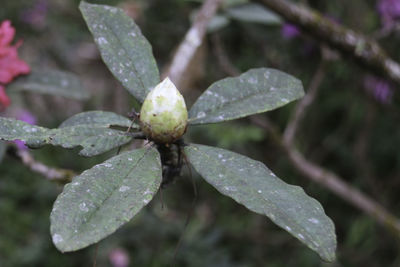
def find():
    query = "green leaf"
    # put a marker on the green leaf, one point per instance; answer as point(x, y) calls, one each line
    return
point(217, 23)
point(93, 139)
point(252, 184)
point(103, 198)
point(124, 49)
point(98, 118)
point(51, 82)
point(255, 91)
point(254, 13)
point(34, 136)
point(3, 148)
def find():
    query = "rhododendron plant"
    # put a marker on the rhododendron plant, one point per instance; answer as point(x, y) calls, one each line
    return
point(10, 64)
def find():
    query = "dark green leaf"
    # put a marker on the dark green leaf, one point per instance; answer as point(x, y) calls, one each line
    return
point(34, 136)
point(124, 49)
point(93, 139)
point(255, 91)
point(252, 184)
point(98, 118)
point(103, 198)
point(51, 82)
point(254, 13)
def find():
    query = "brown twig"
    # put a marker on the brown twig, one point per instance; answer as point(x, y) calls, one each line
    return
point(364, 50)
point(221, 56)
point(332, 181)
point(304, 103)
point(192, 41)
point(312, 171)
point(53, 174)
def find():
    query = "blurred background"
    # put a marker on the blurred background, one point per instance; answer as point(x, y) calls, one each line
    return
point(352, 128)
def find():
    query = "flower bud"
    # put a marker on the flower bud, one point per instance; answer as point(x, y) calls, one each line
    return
point(163, 117)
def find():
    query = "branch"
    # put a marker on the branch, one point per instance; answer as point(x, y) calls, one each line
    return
point(192, 41)
point(365, 51)
point(333, 182)
point(221, 56)
point(53, 174)
point(304, 103)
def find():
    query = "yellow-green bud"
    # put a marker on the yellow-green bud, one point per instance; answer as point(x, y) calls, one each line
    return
point(163, 117)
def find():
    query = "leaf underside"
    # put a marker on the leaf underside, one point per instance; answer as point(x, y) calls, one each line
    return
point(124, 49)
point(100, 200)
point(255, 91)
point(253, 185)
point(93, 139)
point(51, 82)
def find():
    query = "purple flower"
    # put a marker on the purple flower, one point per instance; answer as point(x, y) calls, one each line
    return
point(36, 15)
point(389, 11)
point(119, 258)
point(26, 116)
point(289, 31)
point(379, 88)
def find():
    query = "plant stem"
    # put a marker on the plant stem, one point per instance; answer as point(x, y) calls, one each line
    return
point(191, 42)
point(366, 51)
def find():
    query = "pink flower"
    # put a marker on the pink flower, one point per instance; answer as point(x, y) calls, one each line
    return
point(10, 64)
point(4, 100)
point(119, 258)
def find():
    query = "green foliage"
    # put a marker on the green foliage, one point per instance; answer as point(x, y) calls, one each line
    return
point(254, 13)
point(253, 185)
point(228, 135)
point(99, 119)
point(51, 82)
point(255, 91)
point(103, 198)
point(123, 48)
point(108, 195)
point(94, 139)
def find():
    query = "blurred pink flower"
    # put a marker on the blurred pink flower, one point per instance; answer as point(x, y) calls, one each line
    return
point(4, 100)
point(119, 258)
point(10, 64)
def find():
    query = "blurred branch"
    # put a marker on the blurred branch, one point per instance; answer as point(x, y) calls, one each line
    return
point(221, 56)
point(192, 41)
point(364, 50)
point(53, 174)
point(332, 181)
point(304, 103)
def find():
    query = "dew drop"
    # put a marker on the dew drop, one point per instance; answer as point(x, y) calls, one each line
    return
point(201, 114)
point(83, 207)
point(313, 220)
point(124, 188)
point(57, 238)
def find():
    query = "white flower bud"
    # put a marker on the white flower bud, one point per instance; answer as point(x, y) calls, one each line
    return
point(163, 117)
